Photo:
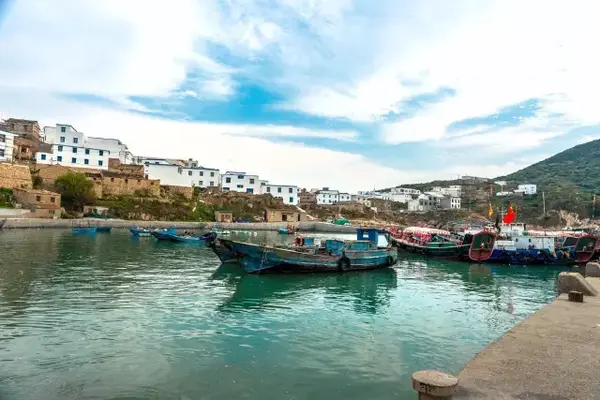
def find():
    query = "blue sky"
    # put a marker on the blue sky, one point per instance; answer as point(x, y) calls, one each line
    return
point(342, 93)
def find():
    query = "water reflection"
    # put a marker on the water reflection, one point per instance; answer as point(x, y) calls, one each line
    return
point(369, 291)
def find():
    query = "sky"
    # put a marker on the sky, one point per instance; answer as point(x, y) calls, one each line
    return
point(349, 94)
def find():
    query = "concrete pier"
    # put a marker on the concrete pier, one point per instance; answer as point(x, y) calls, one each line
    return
point(552, 355)
point(38, 223)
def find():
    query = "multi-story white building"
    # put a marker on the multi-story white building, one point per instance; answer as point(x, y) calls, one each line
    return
point(177, 175)
point(401, 190)
point(425, 202)
point(73, 149)
point(7, 145)
point(288, 193)
point(241, 182)
point(345, 198)
point(326, 196)
point(450, 203)
point(528, 189)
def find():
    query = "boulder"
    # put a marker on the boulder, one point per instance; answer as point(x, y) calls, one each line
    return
point(592, 269)
point(568, 281)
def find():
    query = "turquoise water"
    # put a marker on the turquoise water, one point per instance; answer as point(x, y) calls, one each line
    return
point(112, 317)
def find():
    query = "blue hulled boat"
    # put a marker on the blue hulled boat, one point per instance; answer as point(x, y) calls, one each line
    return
point(203, 239)
point(83, 230)
point(164, 234)
point(142, 232)
point(103, 229)
point(333, 255)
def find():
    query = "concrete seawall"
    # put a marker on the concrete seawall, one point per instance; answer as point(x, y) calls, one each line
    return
point(552, 355)
point(37, 223)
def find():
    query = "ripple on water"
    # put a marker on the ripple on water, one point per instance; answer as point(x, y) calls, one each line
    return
point(107, 317)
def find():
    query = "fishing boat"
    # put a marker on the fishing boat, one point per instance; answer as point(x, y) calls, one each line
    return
point(103, 229)
point(141, 232)
point(2, 222)
point(83, 230)
point(333, 255)
point(288, 230)
point(202, 239)
point(164, 234)
point(441, 243)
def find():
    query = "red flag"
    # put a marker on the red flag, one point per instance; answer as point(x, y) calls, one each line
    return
point(510, 215)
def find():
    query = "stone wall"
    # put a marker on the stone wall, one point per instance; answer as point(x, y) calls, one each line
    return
point(15, 176)
point(186, 191)
point(115, 184)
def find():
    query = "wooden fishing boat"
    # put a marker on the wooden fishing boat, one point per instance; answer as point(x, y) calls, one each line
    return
point(334, 255)
point(84, 230)
point(103, 229)
point(141, 232)
point(203, 239)
point(164, 234)
point(442, 244)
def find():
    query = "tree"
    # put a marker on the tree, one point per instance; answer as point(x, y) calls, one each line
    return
point(75, 189)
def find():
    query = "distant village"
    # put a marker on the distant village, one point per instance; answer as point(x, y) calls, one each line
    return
point(115, 170)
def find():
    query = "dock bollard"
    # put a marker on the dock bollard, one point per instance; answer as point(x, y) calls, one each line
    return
point(434, 385)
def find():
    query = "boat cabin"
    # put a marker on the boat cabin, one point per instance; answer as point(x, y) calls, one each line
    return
point(526, 242)
point(378, 238)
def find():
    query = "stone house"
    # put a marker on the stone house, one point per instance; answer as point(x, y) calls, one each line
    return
point(28, 140)
point(306, 198)
point(117, 184)
point(221, 216)
point(15, 176)
point(41, 203)
point(290, 216)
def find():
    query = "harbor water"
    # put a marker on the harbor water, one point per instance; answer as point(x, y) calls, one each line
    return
point(112, 317)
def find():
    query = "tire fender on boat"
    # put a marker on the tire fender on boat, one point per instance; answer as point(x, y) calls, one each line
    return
point(343, 263)
point(390, 261)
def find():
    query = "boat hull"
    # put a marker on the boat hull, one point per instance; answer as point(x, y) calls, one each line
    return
point(80, 231)
point(458, 252)
point(224, 251)
point(103, 229)
point(140, 232)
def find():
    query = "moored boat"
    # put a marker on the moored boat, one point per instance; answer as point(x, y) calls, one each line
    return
point(442, 244)
point(203, 239)
point(103, 229)
point(164, 234)
point(334, 255)
point(83, 230)
point(142, 232)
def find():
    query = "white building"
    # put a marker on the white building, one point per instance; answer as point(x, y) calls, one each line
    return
point(527, 189)
point(242, 182)
point(73, 149)
point(425, 202)
point(7, 145)
point(450, 203)
point(177, 175)
point(288, 193)
point(402, 197)
point(452, 191)
point(326, 196)
point(345, 198)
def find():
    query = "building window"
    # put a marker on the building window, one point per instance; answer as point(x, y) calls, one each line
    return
point(62, 139)
point(38, 198)
point(278, 190)
point(100, 163)
point(291, 200)
point(75, 140)
point(63, 128)
point(240, 186)
point(225, 189)
point(74, 160)
point(240, 176)
point(251, 181)
point(112, 179)
point(59, 158)
point(250, 190)
point(126, 180)
point(189, 173)
point(200, 183)
point(268, 189)
point(212, 183)
point(291, 190)
point(74, 149)
point(52, 199)
point(86, 161)
point(101, 152)
point(212, 174)
point(139, 181)
point(201, 173)
point(87, 151)
point(227, 180)
point(59, 148)
point(43, 156)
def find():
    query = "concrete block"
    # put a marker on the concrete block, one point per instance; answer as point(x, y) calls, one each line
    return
point(434, 385)
point(572, 281)
point(576, 296)
point(592, 269)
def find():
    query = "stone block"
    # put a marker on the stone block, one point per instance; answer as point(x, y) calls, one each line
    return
point(434, 384)
point(572, 281)
point(576, 296)
point(592, 269)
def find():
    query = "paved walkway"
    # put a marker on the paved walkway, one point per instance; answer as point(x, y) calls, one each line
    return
point(552, 355)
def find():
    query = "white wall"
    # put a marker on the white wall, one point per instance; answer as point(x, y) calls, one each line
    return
point(528, 189)
point(7, 145)
point(288, 193)
point(81, 157)
point(175, 175)
point(345, 197)
point(240, 182)
point(117, 148)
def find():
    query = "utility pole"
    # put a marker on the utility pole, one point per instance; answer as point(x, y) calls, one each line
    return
point(544, 202)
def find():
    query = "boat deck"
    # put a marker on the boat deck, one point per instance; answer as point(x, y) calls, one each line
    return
point(552, 355)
